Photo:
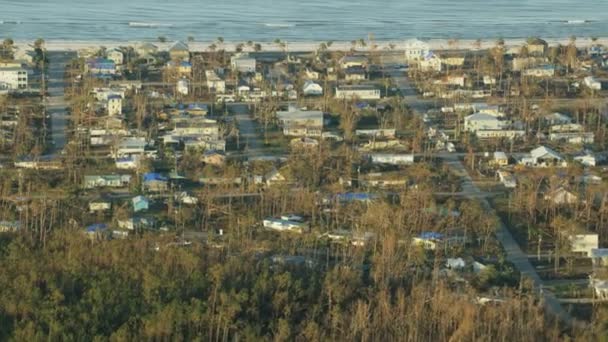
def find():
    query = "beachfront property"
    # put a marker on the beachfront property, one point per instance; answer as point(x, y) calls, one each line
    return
point(179, 52)
point(100, 66)
point(146, 49)
point(116, 56)
point(301, 123)
point(415, 50)
point(243, 63)
point(362, 92)
point(13, 76)
point(353, 62)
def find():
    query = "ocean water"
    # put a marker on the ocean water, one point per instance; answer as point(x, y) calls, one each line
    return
point(297, 20)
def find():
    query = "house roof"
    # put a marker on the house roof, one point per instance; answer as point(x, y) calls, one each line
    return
point(179, 46)
point(96, 227)
point(297, 114)
point(152, 176)
point(139, 198)
point(481, 117)
point(543, 152)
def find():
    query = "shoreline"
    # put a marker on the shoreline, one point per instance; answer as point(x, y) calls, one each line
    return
point(305, 46)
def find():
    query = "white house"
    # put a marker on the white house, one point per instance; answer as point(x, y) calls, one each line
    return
point(415, 50)
point(285, 225)
point(583, 242)
point(243, 63)
point(592, 83)
point(362, 92)
point(312, 89)
point(116, 56)
point(183, 86)
point(114, 105)
point(99, 205)
point(12, 76)
point(587, 159)
point(481, 121)
point(129, 146)
point(392, 158)
point(430, 62)
point(544, 157)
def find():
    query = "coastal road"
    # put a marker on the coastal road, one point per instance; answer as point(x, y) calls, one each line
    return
point(513, 252)
point(56, 104)
point(249, 130)
point(408, 92)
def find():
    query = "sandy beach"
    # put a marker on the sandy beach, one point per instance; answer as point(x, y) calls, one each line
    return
point(435, 44)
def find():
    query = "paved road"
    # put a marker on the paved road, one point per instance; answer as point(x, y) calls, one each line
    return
point(56, 104)
point(409, 93)
point(514, 253)
point(250, 132)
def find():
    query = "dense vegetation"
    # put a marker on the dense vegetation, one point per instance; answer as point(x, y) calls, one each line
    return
point(77, 289)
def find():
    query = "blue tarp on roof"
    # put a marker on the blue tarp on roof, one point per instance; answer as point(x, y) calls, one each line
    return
point(355, 196)
point(431, 236)
point(152, 176)
point(96, 227)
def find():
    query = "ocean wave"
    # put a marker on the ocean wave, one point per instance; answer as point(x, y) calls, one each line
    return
point(10, 22)
point(279, 25)
point(146, 24)
point(577, 22)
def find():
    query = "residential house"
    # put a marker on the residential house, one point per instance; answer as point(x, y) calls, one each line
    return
point(353, 61)
point(376, 133)
point(99, 204)
point(114, 105)
point(296, 122)
point(101, 67)
point(430, 62)
point(391, 158)
point(523, 63)
point(480, 121)
point(127, 163)
point(500, 159)
point(355, 74)
point(215, 83)
point(146, 49)
point(110, 181)
point(97, 231)
point(557, 119)
point(285, 225)
point(544, 157)
point(536, 46)
point(243, 63)
point(311, 88)
point(415, 50)
point(545, 70)
point(571, 133)
point(311, 74)
point(13, 76)
point(140, 203)
point(362, 92)
point(588, 159)
point(583, 242)
point(183, 86)
point(130, 146)
point(136, 223)
point(434, 240)
point(592, 83)
point(155, 182)
point(9, 226)
point(115, 55)
point(179, 51)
